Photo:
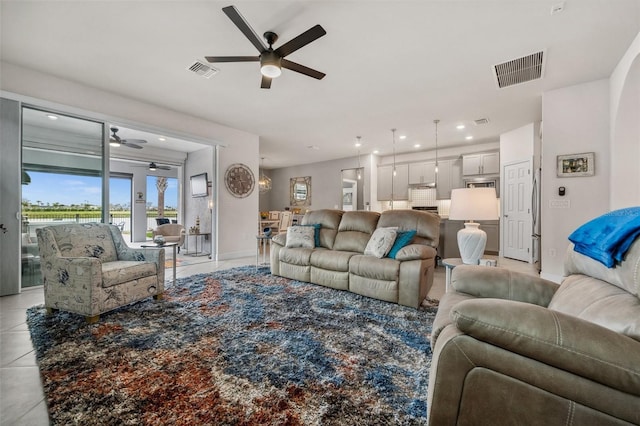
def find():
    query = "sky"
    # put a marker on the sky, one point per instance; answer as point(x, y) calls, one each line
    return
point(73, 189)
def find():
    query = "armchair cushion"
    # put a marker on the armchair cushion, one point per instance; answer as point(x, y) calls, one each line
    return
point(121, 271)
point(85, 241)
point(172, 233)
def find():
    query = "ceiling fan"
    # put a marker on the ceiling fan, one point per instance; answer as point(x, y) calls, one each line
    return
point(115, 140)
point(271, 61)
point(153, 166)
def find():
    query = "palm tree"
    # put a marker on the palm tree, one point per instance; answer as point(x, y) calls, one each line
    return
point(161, 185)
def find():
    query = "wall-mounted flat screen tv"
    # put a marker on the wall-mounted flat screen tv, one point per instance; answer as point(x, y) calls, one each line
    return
point(199, 186)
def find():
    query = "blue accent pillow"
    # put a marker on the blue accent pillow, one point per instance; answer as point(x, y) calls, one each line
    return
point(402, 239)
point(316, 233)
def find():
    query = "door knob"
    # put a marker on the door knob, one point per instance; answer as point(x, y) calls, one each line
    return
point(4, 230)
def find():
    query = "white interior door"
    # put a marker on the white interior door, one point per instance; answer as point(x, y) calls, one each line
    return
point(516, 211)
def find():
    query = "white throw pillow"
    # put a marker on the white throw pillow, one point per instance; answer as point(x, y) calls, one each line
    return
point(300, 236)
point(380, 242)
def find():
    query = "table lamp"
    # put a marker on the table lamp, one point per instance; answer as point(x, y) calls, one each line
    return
point(472, 204)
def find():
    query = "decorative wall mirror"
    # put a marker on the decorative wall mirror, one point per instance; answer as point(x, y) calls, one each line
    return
point(353, 189)
point(300, 191)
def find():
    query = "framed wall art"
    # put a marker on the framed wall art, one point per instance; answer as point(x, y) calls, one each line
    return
point(576, 165)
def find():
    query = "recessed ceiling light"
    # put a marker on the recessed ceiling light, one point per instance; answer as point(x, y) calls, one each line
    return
point(402, 137)
point(375, 151)
point(468, 138)
point(162, 139)
point(313, 147)
point(460, 126)
point(417, 145)
point(52, 117)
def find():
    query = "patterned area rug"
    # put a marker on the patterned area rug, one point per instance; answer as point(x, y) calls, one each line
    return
point(238, 347)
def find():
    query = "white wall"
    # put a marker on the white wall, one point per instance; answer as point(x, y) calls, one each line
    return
point(53, 92)
point(625, 129)
point(326, 183)
point(518, 144)
point(576, 120)
point(201, 161)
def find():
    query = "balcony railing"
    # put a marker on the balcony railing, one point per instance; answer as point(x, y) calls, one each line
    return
point(32, 220)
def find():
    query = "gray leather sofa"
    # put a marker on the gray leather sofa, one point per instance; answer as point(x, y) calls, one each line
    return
point(513, 349)
point(339, 262)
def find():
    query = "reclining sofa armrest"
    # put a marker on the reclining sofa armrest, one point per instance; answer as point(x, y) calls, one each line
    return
point(499, 283)
point(556, 339)
point(416, 252)
point(280, 239)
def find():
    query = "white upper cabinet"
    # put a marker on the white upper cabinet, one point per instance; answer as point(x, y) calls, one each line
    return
point(481, 164)
point(422, 172)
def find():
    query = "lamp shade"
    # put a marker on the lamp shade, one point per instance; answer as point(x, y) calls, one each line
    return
point(473, 204)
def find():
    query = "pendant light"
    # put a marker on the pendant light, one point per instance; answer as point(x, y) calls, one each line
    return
point(436, 123)
point(264, 183)
point(359, 144)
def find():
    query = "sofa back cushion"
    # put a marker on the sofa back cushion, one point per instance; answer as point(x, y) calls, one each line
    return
point(625, 274)
point(355, 230)
point(600, 303)
point(84, 240)
point(426, 224)
point(169, 230)
point(329, 221)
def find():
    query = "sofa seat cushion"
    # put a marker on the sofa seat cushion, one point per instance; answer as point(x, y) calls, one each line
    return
point(122, 271)
point(332, 260)
point(371, 267)
point(296, 256)
point(599, 302)
point(172, 239)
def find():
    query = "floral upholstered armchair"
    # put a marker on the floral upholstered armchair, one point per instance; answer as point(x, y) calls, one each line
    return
point(88, 269)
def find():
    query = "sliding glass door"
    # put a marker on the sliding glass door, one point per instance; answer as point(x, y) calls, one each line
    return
point(62, 178)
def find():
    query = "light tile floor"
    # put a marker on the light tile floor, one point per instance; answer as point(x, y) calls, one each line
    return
point(21, 395)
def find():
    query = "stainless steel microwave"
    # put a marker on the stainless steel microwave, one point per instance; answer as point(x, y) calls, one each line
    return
point(484, 182)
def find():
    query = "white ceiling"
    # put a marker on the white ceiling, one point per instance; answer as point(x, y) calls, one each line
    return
point(389, 64)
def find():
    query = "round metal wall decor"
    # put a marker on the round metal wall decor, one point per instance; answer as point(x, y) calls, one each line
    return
point(239, 180)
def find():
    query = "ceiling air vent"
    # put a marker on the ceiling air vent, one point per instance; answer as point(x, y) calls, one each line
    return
point(203, 70)
point(519, 70)
point(481, 121)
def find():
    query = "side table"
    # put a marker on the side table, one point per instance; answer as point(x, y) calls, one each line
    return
point(449, 264)
point(202, 236)
point(175, 260)
point(262, 240)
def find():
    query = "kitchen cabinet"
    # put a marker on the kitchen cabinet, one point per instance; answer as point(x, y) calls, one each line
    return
point(449, 177)
point(487, 163)
point(400, 182)
point(422, 172)
point(448, 246)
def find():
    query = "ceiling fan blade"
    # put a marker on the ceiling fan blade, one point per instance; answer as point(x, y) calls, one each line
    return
point(293, 66)
point(232, 58)
point(243, 26)
point(266, 82)
point(132, 145)
point(163, 167)
point(133, 141)
point(302, 40)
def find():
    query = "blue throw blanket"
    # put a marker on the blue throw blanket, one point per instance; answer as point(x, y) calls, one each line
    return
point(608, 237)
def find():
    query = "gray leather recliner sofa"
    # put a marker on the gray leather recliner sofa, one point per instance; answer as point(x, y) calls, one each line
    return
point(513, 349)
point(339, 262)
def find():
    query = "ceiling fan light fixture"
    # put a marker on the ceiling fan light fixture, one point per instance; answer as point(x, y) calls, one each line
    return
point(153, 167)
point(270, 65)
point(114, 142)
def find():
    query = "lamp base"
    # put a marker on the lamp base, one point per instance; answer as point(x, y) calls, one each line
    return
point(471, 242)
